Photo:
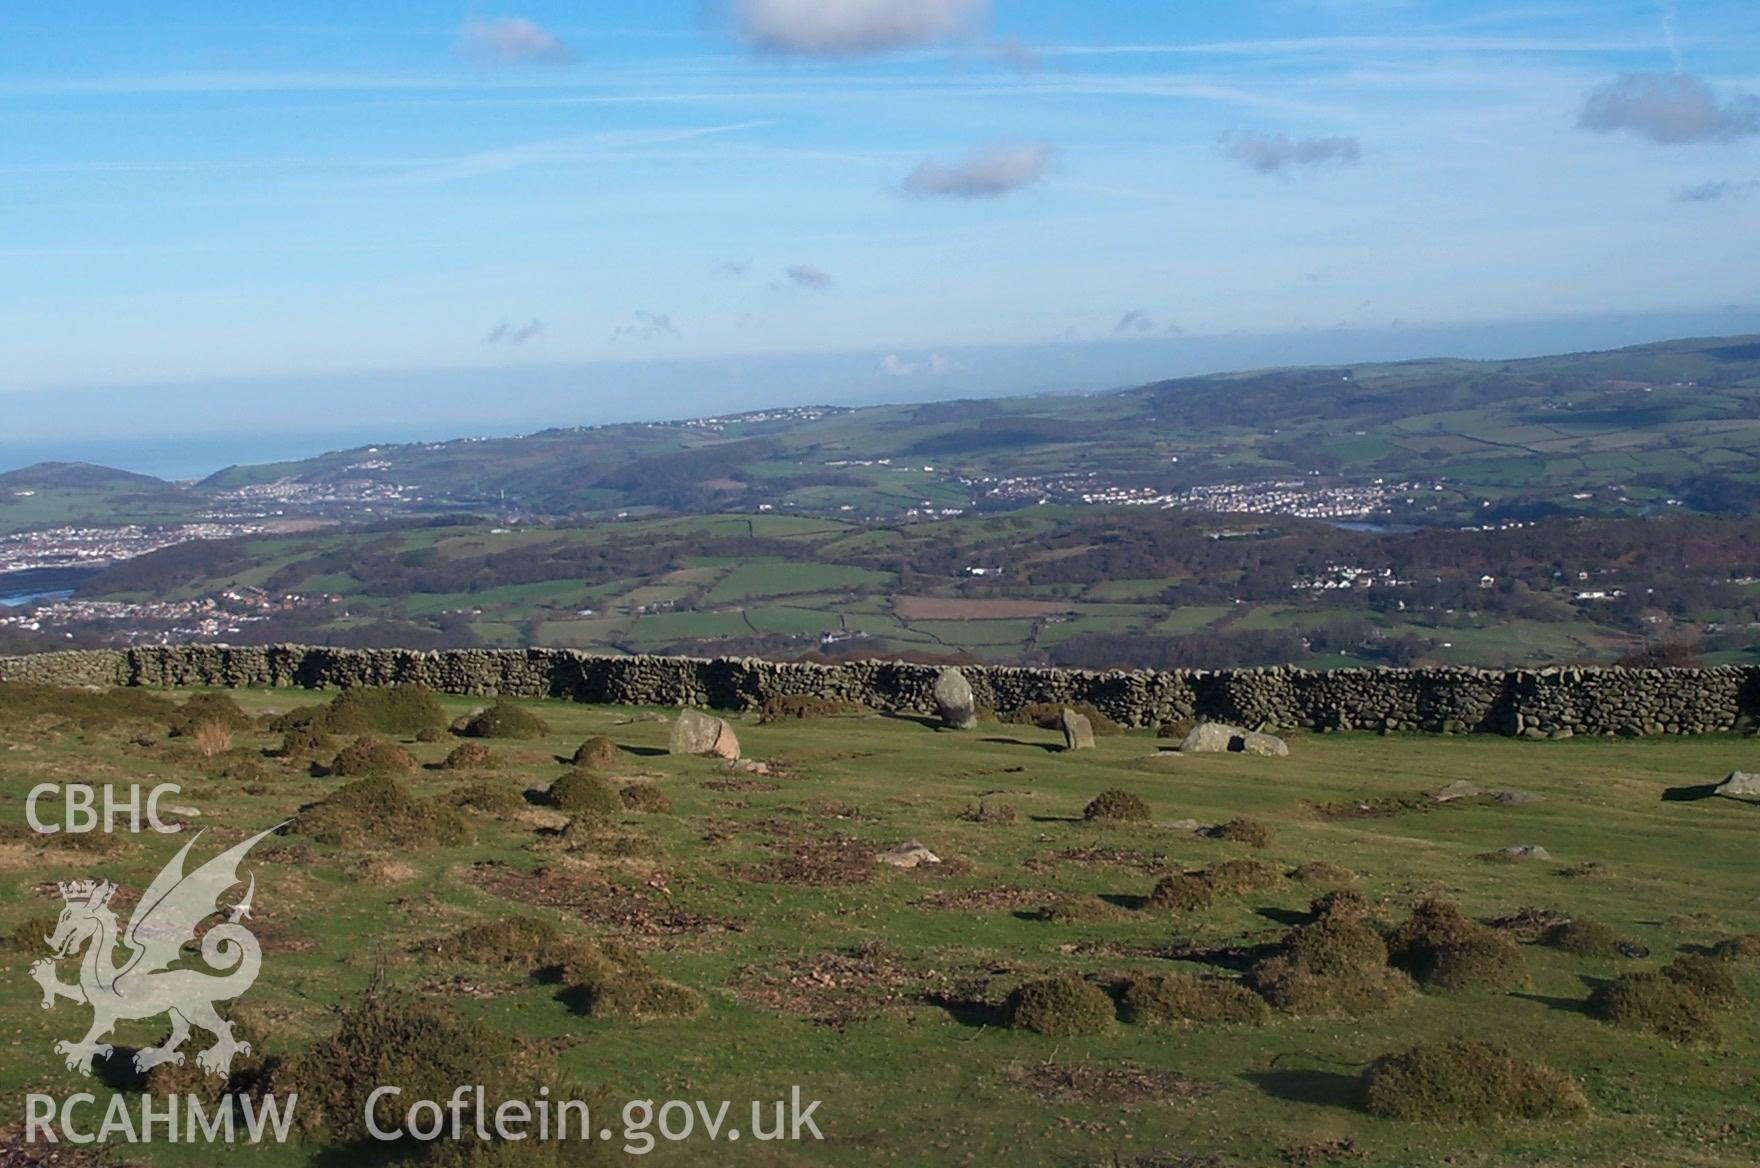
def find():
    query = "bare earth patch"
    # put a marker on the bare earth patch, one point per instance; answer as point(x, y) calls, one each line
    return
point(1155, 865)
point(598, 902)
point(837, 987)
point(838, 860)
point(1114, 1083)
point(982, 899)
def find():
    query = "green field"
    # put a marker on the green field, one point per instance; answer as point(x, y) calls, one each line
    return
point(876, 990)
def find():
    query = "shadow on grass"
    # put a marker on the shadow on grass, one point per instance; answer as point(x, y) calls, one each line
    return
point(644, 751)
point(1690, 794)
point(1126, 900)
point(1286, 916)
point(1567, 1005)
point(973, 1012)
point(117, 1072)
point(1056, 819)
point(1047, 747)
point(1318, 1088)
point(922, 720)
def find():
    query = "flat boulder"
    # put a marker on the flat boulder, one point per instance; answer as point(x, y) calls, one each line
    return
point(1457, 790)
point(1525, 852)
point(1739, 785)
point(954, 701)
point(698, 733)
point(1221, 738)
point(1078, 731)
point(908, 855)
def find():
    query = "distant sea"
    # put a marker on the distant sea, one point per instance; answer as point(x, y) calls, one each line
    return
point(193, 457)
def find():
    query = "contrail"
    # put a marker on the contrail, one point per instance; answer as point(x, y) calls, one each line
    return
point(1667, 8)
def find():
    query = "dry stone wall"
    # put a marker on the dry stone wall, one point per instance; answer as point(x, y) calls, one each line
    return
point(1533, 703)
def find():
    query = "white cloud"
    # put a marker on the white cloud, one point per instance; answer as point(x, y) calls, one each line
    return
point(986, 173)
point(1718, 190)
point(1278, 153)
point(1670, 110)
point(895, 366)
point(1134, 321)
point(515, 334)
point(511, 41)
point(646, 327)
point(852, 28)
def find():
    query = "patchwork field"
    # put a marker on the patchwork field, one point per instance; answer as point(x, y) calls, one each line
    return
point(725, 932)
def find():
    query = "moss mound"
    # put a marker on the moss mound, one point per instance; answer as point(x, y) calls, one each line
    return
point(1049, 716)
point(1117, 806)
point(787, 707)
point(1466, 1082)
point(581, 792)
point(489, 797)
point(505, 720)
point(218, 708)
point(1080, 910)
point(1330, 967)
point(469, 756)
point(1705, 976)
point(1583, 937)
point(1169, 999)
point(380, 811)
point(1654, 1003)
point(249, 1067)
point(372, 756)
point(1243, 876)
point(1245, 831)
point(597, 752)
point(1063, 1006)
point(646, 798)
point(531, 943)
point(633, 995)
point(1182, 893)
point(403, 710)
point(1443, 948)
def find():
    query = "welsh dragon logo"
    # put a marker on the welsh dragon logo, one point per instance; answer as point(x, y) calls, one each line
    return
point(167, 918)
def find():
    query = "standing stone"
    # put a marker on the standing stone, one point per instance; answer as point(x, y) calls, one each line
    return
point(1078, 731)
point(1221, 738)
point(698, 733)
point(954, 701)
point(1740, 785)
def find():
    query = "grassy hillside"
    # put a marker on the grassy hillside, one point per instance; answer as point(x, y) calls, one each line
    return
point(882, 993)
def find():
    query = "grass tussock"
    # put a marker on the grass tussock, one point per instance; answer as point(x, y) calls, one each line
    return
point(1049, 716)
point(83, 708)
point(646, 798)
point(1652, 1002)
point(1442, 948)
point(1467, 1081)
point(1116, 806)
point(371, 756)
point(207, 709)
point(1705, 976)
point(996, 814)
point(1236, 876)
point(1330, 967)
point(1062, 1006)
point(469, 756)
point(582, 792)
point(1344, 904)
point(1741, 947)
point(490, 797)
point(1175, 999)
point(1244, 830)
point(799, 707)
point(1322, 872)
point(597, 753)
point(306, 744)
point(403, 711)
point(380, 812)
point(504, 720)
point(1583, 937)
point(1182, 892)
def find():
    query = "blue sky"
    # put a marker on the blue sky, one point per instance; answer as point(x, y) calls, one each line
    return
point(757, 200)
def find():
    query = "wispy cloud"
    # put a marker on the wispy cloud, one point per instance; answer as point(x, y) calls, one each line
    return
point(646, 327)
point(557, 151)
point(807, 276)
point(737, 269)
point(988, 172)
point(1718, 190)
point(854, 28)
point(1269, 153)
point(511, 41)
point(894, 365)
point(515, 334)
point(1670, 110)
